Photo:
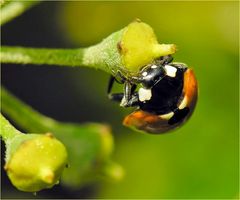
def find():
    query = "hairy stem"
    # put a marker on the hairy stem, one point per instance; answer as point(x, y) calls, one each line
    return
point(24, 115)
point(12, 9)
point(7, 131)
point(62, 57)
point(39, 56)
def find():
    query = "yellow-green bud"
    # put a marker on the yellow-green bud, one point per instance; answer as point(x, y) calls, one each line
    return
point(113, 171)
point(36, 161)
point(107, 142)
point(127, 51)
point(139, 46)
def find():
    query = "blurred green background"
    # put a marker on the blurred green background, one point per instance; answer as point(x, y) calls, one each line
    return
point(200, 160)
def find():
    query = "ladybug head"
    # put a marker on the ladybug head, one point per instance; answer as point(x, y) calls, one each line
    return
point(151, 75)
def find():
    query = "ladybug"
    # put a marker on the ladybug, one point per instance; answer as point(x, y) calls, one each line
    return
point(164, 94)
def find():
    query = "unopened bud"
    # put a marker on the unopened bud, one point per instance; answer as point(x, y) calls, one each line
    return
point(36, 162)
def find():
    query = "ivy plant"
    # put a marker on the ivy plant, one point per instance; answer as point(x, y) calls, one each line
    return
point(79, 153)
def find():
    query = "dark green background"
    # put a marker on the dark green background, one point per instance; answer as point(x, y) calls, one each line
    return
point(200, 160)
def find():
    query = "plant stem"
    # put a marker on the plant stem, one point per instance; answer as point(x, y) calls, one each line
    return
point(103, 56)
point(7, 131)
point(14, 9)
point(24, 115)
point(21, 55)
point(61, 57)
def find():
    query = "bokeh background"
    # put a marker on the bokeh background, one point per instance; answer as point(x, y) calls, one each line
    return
point(200, 160)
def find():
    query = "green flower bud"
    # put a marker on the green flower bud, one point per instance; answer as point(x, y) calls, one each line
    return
point(34, 161)
point(127, 50)
point(107, 142)
point(113, 171)
point(139, 46)
point(89, 146)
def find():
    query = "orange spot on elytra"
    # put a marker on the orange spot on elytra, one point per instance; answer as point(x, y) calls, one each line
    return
point(151, 118)
point(139, 118)
point(190, 87)
point(138, 114)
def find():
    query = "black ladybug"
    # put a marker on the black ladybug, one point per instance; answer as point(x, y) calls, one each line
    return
point(165, 99)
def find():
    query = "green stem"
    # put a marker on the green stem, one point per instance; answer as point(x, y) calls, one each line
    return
point(7, 131)
point(21, 55)
point(14, 8)
point(24, 115)
point(61, 57)
point(103, 56)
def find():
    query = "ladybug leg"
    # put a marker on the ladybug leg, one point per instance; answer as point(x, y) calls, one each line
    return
point(166, 59)
point(110, 84)
point(112, 79)
point(127, 91)
point(119, 78)
point(128, 97)
point(133, 89)
point(114, 97)
point(133, 101)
